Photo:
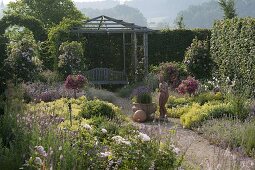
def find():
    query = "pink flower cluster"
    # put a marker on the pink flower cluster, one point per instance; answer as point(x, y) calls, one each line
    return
point(190, 85)
point(75, 82)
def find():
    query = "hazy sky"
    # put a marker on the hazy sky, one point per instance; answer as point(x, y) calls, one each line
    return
point(6, 1)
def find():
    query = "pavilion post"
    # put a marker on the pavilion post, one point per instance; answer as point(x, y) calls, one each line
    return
point(146, 53)
point(124, 53)
point(135, 54)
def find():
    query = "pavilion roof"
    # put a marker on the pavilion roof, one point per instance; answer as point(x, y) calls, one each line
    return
point(105, 24)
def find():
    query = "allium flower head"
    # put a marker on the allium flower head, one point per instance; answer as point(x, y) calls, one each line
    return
point(41, 151)
point(87, 127)
point(121, 140)
point(38, 161)
point(105, 154)
point(144, 137)
point(103, 130)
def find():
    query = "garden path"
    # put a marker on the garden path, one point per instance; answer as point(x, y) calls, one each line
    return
point(198, 152)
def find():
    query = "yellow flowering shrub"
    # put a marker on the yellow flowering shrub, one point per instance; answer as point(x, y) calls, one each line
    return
point(197, 114)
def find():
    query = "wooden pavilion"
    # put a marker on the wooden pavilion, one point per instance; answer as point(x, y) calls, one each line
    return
point(107, 25)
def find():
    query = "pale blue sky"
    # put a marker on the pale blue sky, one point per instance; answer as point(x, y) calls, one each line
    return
point(6, 1)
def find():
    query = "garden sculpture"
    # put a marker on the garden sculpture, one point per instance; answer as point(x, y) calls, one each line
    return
point(163, 97)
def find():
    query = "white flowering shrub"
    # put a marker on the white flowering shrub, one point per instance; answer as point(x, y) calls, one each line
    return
point(198, 59)
point(23, 59)
point(71, 60)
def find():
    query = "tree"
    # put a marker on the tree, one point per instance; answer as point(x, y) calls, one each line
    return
point(50, 12)
point(71, 58)
point(180, 22)
point(23, 61)
point(228, 6)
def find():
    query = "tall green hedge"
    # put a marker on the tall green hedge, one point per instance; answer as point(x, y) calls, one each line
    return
point(233, 50)
point(170, 45)
point(106, 50)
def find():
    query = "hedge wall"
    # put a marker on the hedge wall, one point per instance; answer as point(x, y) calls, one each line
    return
point(106, 50)
point(170, 45)
point(233, 50)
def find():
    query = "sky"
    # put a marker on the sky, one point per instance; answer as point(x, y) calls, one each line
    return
point(121, 1)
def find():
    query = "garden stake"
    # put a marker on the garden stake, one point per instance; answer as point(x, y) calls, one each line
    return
point(70, 111)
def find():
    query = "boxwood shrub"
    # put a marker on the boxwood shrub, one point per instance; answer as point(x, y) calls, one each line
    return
point(97, 108)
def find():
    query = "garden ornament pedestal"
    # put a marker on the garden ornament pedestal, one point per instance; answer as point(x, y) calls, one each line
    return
point(149, 109)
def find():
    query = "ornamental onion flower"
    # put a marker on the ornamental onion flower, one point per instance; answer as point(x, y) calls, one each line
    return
point(144, 137)
point(103, 130)
point(121, 140)
point(87, 127)
point(41, 151)
point(38, 161)
point(105, 154)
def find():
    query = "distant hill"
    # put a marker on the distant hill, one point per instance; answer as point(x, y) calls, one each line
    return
point(123, 12)
point(153, 10)
point(204, 15)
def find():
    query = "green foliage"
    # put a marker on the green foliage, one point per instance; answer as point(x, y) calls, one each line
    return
point(97, 108)
point(233, 51)
point(126, 91)
point(59, 34)
point(48, 12)
point(22, 62)
point(144, 98)
point(180, 23)
point(178, 101)
point(197, 114)
point(30, 22)
point(3, 56)
point(228, 6)
point(205, 97)
point(177, 106)
point(151, 81)
point(71, 60)
point(49, 77)
point(177, 112)
point(198, 59)
point(14, 137)
point(170, 45)
point(172, 72)
point(239, 106)
point(231, 133)
point(83, 144)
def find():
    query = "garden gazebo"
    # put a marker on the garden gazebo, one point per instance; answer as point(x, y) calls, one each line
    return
point(107, 25)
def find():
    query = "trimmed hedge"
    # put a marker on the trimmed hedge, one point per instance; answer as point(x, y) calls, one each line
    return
point(233, 50)
point(170, 45)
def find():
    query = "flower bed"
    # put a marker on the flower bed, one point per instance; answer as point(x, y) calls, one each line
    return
point(99, 141)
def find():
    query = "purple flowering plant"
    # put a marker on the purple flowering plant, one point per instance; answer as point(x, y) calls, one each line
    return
point(142, 94)
point(190, 86)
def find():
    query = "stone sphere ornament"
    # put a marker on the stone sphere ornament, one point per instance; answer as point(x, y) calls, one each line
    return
point(139, 116)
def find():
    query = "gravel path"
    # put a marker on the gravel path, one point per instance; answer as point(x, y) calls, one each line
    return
point(198, 152)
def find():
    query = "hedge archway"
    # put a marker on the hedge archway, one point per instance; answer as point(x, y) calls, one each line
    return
point(33, 24)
